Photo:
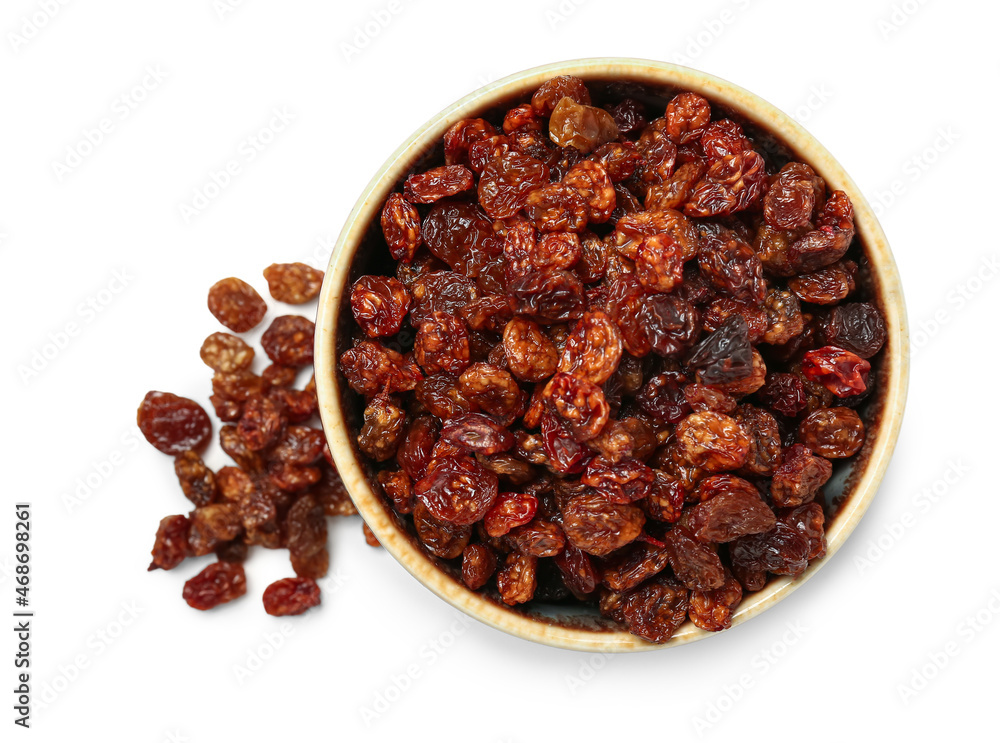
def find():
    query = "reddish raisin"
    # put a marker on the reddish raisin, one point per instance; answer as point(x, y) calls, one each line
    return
point(687, 116)
point(383, 428)
point(598, 527)
point(173, 424)
point(379, 304)
point(197, 480)
point(290, 596)
point(696, 564)
point(441, 538)
point(842, 372)
point(171, 544)
point(655, 610)
point(226, 353)
point(401, 228)
point(457, 489)
point(437, 183)
point(783, 550)
point(713, 610)
point(219, 583)
point(799, 477)
point(479, 562)
point(289, 340)
point(712, 441)
point(857, 327)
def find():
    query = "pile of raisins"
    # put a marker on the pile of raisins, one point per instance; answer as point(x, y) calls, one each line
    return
point(612, 356)
point(283, 484)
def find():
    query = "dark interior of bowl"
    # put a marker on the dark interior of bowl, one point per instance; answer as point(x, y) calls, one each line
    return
point(551, 604)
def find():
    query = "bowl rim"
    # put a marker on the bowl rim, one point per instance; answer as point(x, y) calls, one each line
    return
point(894, 374)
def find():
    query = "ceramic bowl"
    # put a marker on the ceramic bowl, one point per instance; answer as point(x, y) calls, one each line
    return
point(855, 480)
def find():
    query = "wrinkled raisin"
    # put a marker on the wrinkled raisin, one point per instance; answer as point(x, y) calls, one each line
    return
point(171, 544)
point(226, 353)
point(479, 562)
point(655, 610)
point(437, 183)
point(713, 610)
point(799, 477)
point(857, 327)
point(401, 228)
point(713, 441)
point(197, 480)
point(457, 489)
point(842, 372)
point(383, 428)
point(598, 527)
point(833, 433)
point(379, 304)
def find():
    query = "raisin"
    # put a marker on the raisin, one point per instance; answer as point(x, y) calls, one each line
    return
point(791, 198)
point(552, 91)
point(457, 489)
point(293, 283)
point(626, 481)
point(414, 453)
point(290, 596)
point(751, 580)
point(556, 208)
point(592, 182)
point(478, 433)
point(665, 499)
point(261, 423)
point(578, 404)
point(556, 250)
point(721, 139)
point(442, 539)
point(276, 375)
point(833, 433)
point(731, 266)
point(238, 386)
point(219, 583)
point(687, 116)
point(289, 340)
point(487, 313)
point(629, 115)
point(724, 356)
point(809, 520)
point(401, 228)
point(783, 550)
point(299, 445)
point(702, 398)
point(713, 610)
point(173, 424)
point(226, 353)
point(784, 317)
point(517, 580)
point(630, 231)
point(598, 527)
point(234, 445)
point(664, 323)
point(492, 389)
point(673, 192)
point(197, 480)
point(799, 477)
point(712, 441)
point(659, 264)
point(509, 511)
point(539, 537)
point(659, 155)
point(663, 397)
point(765, 440)
point(437, 184)
point(313, 566)
point(479, 563)
point(234, 485)
point(461, 235)
point(171, 544)
point(442, 344)
point(371, 368)
point(829, 241)
point(292, 478)
point(521, 118)
point(828, 285)
point(731, 184)
point(771, 246)
point(734, 509)
point(783, 393)
point(843, 373)
point(619, 160)
point(696, 564)
point(507, 181)
point(632, 565)
point(857, 327)
point(655, 610)
point(581, 126)
point(299, 405)
point(305, 528)
point(379, 305)
point(331, 493)
point(236, 304)
point(383, 428)
point(578, 572)
point(461, 136)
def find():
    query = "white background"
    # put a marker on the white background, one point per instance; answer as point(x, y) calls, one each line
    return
point(903, 93)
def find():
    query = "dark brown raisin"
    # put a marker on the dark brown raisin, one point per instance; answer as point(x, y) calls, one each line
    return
point(173, 424)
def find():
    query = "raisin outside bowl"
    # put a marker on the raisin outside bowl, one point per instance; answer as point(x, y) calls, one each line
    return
point(360, 250)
